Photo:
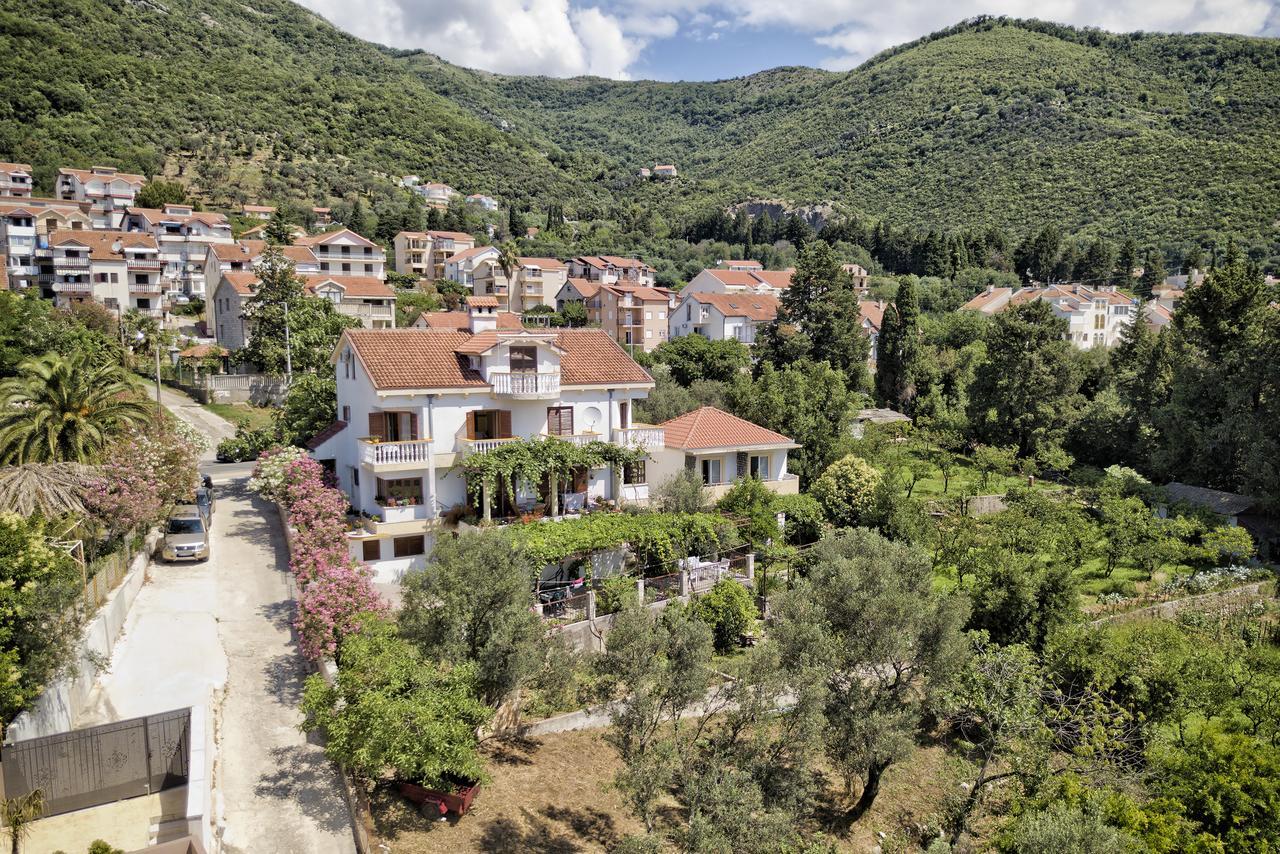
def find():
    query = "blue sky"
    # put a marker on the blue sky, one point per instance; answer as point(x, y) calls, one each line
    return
point(714, 39)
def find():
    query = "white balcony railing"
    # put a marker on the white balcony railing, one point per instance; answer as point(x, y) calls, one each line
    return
point(405, 513)
point(417, 451)
point(145, 287)
point(73, 287)
point(481, 446)
point(526, 384)
point(359, 309)
point(72, 262)
point(580, 439)
point(640, 435)
point(146, 264)
point(24, 270)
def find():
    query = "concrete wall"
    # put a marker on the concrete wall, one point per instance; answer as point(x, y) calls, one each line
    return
point(61, 704)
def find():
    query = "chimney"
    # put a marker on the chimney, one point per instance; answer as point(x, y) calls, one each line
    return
point(483, 313)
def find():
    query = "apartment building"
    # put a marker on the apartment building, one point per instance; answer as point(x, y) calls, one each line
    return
point(426, 253)
point(122, 270)
point(25, 226)
point(15, 180)
point(632, 316)
point(1096, 317)
point(533, 282)
point(243, 256)
point(722, 316)
point(367, 298)
point(108, 191)
point(612, 270)
point(184, 236)
point(461, 266)
point(740, 281)
point(435, 194)
point(345, 253)
point(723, 449)
point(413, 402)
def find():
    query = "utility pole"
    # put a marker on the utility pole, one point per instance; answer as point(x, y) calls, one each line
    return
point(159, 405)
point(288, 348)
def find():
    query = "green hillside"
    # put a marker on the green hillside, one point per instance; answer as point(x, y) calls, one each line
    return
point(1159, 137)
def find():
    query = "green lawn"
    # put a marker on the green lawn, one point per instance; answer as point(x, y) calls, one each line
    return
point(257, 416)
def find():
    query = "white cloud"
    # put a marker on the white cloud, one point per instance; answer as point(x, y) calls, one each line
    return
point(564, 37)
point(507, 36)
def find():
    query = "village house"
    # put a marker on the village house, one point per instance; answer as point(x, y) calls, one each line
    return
point(871, 318)
point(723, 449)
point(632, 316)
point(426, 253)
point(108, 191)
point(533, 282)
point(434, 194)
point(323, 216)
point(740, 281)
point(461, 266)
point(15, 180)
point(739, 265)
point(721, 316)
point(184, 236)
point(858, 276)
point(486, 202)
point(664, 170)
point(344, 253)
point(244, 256)
point(1096, 317)
point(25, 227)
point(461, 320)
point(612, 270)
point(121, 270)
point(262, 212)
point(367, 298)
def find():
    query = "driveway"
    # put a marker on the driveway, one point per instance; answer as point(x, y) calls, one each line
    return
point(226, 625)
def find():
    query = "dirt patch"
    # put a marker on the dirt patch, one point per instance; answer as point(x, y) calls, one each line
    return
point(548, 796)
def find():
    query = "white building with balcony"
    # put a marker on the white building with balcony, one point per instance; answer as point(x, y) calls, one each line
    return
point(184, 236)
point(533, 282)
point(461, 266)
point(121, 270)
point(740, 281)
point(25, 227)
point(108, 191)
point(612, 270)
point(345, 253)
point(426, 254)
point(15, 180)
point(412, 403)
point(1096, 317)
point(723, 449)
point(720, 316)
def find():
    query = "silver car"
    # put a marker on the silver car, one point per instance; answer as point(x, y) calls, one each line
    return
point(186, 535)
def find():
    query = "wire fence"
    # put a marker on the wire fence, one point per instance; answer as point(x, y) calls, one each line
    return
point(104, 573)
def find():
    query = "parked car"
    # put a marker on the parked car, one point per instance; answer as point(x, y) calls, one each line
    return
point(186, 536)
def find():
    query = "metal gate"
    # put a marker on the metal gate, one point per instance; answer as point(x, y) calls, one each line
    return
point(102, 764)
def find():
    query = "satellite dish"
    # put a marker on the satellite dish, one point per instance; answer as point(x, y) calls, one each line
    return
point(592, 414)
point(117, 247)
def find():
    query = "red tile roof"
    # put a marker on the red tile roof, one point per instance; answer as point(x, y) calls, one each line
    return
point(352, 286)
point(872, 311)
point(15, 167)
point(758, 307)
point(328, 236)
point(775, 278)
point(259, 209)
point(543, 263)
point(243, 281)
point(326, 434)
point(754, 265)
point(451, 235)
point(482, 302)
point(586, 288)
point(435, 358)
point(236, 251)
point(707, 428)
point(86, 175)
point(470, 253)
point(100, 243)
point(158, 215)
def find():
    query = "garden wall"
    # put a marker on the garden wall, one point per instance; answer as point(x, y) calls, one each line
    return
point(60, 706)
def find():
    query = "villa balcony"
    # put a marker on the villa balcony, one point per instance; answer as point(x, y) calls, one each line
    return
point(531, 385)
point(73, 287)
point(71, 263)
point(481, 446)
point(383, 456)
point(640, 436)
point(145, 287)
point(146, 264)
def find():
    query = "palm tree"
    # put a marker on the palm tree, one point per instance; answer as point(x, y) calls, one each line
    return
point(18, 814)
point(50, 489)
point(66, 409)
point(508, 260)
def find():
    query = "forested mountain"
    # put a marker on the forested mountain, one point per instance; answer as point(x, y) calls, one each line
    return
point(1162, 138)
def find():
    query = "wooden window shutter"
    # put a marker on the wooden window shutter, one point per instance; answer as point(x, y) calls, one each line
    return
point(413, 426)
point(471, 425)
point(378, 425)
point(504, 423)
point(742, 463)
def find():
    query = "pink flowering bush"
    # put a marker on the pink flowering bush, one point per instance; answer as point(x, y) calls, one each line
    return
point(143, 473)
point(335, 590)
point(331, 606)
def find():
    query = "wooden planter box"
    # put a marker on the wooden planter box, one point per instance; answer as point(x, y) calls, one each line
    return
point(457, 801)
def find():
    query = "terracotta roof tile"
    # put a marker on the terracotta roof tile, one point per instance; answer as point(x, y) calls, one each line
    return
point(753, 265)
point(470, 253)
point(326, 434)
point(462, 320)
point(542, 263)
point(243, 281)
point(586, 288)
point(100, 243)
point(706, 428)
point(451, 235)
point(757, 307)
point(15, 167)
point(352, 286)
point(482, 301)
point(775, 278)
point(436, 358)
point(329, 236)
point(86, 175)
point(872, 311)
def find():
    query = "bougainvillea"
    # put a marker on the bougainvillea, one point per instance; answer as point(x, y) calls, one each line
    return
point(144, 472)
point(330, 606)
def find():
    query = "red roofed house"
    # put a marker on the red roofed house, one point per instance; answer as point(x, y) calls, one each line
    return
point(345, 253)
point(15, 180)
point(365, 297)
point(461, 266)
point(611, 270)
point(871, 318)
point(739, 265)
point(631, 315)
point(740, 281)
point(262, 212)
point(108, 190)
point(1096, 317)
point(425, 253)
point(184, 236)
point(119, 269)
point(722, 449)
point(25, 223)
point(415, 402)
point(720, 316)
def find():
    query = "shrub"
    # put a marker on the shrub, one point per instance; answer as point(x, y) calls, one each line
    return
point(729, 610)
point(847, 491)
point(804, 519)
point(269, 474)
point(332, 605)
point(615, 594)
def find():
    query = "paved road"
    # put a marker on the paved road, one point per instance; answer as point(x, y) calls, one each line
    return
point(225, 625)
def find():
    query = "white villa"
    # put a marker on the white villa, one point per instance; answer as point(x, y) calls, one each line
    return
point(1096, 317)
point(108, 191)
point(740, 279)
point(723, 449)
point(718, 316)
